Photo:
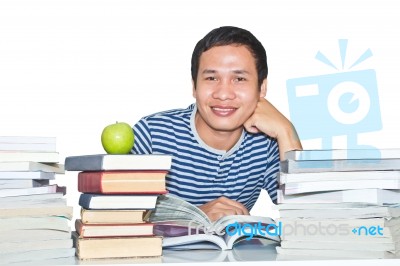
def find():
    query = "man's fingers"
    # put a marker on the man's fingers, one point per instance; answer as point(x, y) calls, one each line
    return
point(223, 206)
point(239, 207)
point(222, 211)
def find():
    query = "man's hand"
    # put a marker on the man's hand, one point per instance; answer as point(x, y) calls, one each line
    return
point(223, 206)
point(267, 119)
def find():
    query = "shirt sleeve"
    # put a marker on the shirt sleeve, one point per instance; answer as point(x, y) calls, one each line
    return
point(143, 142)
point(271, 174)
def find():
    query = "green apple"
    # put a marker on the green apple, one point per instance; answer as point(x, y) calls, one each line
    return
point(117, 138)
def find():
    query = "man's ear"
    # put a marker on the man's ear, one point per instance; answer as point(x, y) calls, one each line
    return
point(263, 89)
point(193, 89)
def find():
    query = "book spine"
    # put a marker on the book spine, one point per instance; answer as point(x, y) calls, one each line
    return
point(79, 227)
point(84, 200)
point(90, 182)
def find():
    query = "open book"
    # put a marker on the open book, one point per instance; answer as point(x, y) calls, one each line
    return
point(185, 226)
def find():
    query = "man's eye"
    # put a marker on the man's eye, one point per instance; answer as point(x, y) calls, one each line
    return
point(211, 78)
point(240, 79)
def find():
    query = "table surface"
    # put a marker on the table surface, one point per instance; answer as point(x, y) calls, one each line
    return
point(246, 254)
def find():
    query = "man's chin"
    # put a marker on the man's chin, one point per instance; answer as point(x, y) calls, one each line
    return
point(228, 128)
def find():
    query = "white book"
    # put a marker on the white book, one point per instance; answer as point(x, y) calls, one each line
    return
point(27, 139)
point(42, 147)
point(36, 211)
point(22, 183)
point(370, 195)
point(306, 187)
point(350, 223)
point(344, 212)
point(317, 166)
point(336, 253)
point(324, 206)
point(12, 192)
point(34, 245)
point(26, 175)
point(342, 154)
point(37, 234)
point(37, 255)
point(388, 238)
point(284, 178)
point(373, 230)
point(43, 203)
point(340, 245)
point(34, 223)
point(21, 156)
point(31, 199)
point(31, 166)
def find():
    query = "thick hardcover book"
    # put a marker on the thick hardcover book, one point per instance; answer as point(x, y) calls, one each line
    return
point(342, 154)
point(112, 216)
point(117, 247)
point(122, 182)
point(31, 166)
point(112, 230)
point(22, 156)
point(291, 166)
point(99, 162)
point(132, 202)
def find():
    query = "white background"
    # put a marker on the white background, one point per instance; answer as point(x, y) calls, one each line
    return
point(69, 68)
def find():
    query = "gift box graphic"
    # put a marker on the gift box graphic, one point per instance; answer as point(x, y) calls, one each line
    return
point(343, 103)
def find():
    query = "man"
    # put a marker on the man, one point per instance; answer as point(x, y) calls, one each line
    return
point(227, 146)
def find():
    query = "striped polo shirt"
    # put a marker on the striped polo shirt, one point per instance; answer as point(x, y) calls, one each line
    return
point(200, 173)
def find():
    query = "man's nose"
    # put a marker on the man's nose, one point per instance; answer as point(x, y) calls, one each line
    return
point(224, 90)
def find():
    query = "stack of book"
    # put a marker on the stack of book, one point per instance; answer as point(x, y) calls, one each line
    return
point(118, 191)
point(34, 216)
point(340, 203)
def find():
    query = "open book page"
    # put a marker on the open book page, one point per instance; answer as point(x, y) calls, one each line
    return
point(185, 226)
point(171, 208)
point(215, 241)
point(197, 241)
point(260, 250)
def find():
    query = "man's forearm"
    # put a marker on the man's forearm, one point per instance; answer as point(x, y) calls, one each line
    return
point(288, 140)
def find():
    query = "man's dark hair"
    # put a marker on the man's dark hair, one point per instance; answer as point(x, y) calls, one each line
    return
point(229, 35)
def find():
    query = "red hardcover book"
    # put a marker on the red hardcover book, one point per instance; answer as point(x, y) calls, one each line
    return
point(122, 182)
point(112, 230)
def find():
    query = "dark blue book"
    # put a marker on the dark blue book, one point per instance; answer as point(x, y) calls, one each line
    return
point(117, 202)
point(100, 162)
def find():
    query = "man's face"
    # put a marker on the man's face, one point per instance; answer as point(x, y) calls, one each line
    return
point(227, 88)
